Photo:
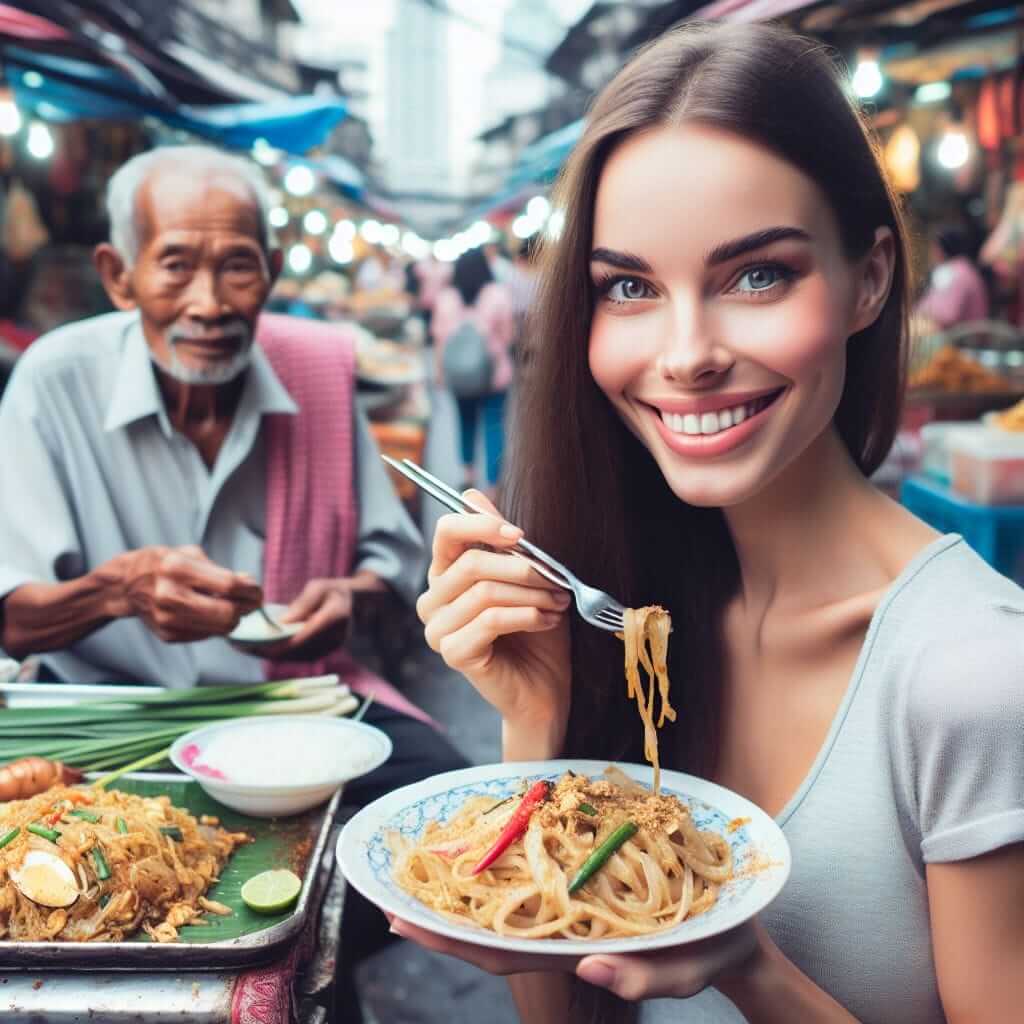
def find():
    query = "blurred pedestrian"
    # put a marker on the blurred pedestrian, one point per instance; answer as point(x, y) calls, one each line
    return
point(956, 291)
point(473, 320)
point(522, 288)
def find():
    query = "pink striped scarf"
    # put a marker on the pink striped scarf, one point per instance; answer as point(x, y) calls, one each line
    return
point(312, 513)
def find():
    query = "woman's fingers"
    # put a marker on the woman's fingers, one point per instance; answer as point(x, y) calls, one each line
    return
point(672, 973)
point(469, 649)
point(473, 567)
point(484, 594)
point(456, 533)
point(479, 500)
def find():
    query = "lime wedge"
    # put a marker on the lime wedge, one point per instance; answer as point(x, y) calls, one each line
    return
point(271, 892)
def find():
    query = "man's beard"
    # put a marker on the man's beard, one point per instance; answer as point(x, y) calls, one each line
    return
point(221, 372)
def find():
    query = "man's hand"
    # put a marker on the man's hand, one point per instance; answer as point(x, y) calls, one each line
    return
point(180, 594)
point(325, 609)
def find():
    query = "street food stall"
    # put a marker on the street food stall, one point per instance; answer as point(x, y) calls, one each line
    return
point(116, 858)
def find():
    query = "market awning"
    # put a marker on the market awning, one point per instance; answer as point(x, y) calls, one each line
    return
point(22, 25)
point(63, 89)
point(749, 10)
point(197, 57)
point(542, 160)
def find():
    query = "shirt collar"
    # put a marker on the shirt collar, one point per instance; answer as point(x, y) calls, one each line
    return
point(136, 393)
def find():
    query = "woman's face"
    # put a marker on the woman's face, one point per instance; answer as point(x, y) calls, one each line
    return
point(723, 305)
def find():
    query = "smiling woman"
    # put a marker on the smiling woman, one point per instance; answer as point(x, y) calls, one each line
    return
point(722, 333)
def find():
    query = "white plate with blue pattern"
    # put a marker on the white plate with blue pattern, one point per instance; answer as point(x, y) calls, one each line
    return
point(760, 851)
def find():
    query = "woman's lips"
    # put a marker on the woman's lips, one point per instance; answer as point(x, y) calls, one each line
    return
point(712, 445)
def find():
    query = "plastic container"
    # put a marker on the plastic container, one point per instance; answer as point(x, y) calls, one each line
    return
point(987, 466)
point(996, 533)
point(935, 460)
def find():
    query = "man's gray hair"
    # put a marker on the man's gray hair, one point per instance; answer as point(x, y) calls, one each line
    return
point(123, 189)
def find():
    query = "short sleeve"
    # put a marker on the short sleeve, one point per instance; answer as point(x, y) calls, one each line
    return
point(38, 539)
point(965, 724)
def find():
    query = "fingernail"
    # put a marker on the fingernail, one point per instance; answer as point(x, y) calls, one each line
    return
point(563, 599)
point(597, 972)
point(510, 531)
point(396, 929)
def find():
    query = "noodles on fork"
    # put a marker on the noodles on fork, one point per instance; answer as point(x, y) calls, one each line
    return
point(645, 636)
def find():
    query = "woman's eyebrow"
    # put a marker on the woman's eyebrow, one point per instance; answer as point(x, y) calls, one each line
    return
point(622, 260)
point(748, 243)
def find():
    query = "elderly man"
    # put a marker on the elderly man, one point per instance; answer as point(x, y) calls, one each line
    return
point(147, 492)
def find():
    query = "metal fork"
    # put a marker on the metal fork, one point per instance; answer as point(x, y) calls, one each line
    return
point(595, 606)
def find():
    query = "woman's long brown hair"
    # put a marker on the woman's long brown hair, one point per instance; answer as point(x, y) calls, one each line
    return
point(580, 484)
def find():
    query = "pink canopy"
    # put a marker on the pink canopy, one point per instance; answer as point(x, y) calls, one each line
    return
point(21, 25)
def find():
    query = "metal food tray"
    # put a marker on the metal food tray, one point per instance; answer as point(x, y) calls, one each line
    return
point(246, 950)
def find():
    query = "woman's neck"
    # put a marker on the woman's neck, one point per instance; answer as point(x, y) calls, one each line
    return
point(819, 534)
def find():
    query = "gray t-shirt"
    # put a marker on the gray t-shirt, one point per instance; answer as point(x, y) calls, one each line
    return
point(924, 763)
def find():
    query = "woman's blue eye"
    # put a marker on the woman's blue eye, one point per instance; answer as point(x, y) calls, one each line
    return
point(627, 289)
point(760, 279)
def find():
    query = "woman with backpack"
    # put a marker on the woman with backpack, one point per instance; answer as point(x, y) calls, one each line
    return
point(473, 329)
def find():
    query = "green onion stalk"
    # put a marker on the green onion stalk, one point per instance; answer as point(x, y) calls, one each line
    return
point(108, 734)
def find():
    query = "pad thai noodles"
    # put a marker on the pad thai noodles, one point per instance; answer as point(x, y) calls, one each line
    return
point(645, 636)
point(88, 865)
point(578, 859)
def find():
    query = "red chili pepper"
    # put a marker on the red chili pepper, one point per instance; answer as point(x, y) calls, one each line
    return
point(516, 827)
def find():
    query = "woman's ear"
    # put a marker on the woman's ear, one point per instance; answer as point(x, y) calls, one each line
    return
point(115, 276)
point(875, 279)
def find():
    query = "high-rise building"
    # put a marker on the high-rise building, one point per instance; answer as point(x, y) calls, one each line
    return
point(518, 81)
point(414, 146)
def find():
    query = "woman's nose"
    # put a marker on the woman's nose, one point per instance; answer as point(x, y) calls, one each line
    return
point(690, 352)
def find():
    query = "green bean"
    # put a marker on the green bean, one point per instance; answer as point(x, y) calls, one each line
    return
point(47, 833)
point(600, 856)
point(100, 863)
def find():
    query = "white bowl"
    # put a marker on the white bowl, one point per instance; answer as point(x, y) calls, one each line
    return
point(253, 629)
point(279, 743)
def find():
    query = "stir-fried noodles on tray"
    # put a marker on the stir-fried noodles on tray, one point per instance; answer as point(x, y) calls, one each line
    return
point(580, 858)
point(84, 864)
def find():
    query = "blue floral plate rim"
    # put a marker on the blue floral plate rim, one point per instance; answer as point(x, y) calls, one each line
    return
point(759, 846)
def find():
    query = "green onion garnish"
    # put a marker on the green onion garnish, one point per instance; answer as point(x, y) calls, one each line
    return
point(100, 863)
point(80, 812)
point(500, 803)
point(47, 833)
point(9, 837)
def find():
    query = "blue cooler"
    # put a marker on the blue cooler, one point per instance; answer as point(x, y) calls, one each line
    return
point(996, 532)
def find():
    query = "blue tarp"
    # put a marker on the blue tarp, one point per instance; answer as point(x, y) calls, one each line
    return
point(62, 89)
point(542, 160)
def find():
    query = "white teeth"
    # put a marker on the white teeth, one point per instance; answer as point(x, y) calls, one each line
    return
point(708, 422)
